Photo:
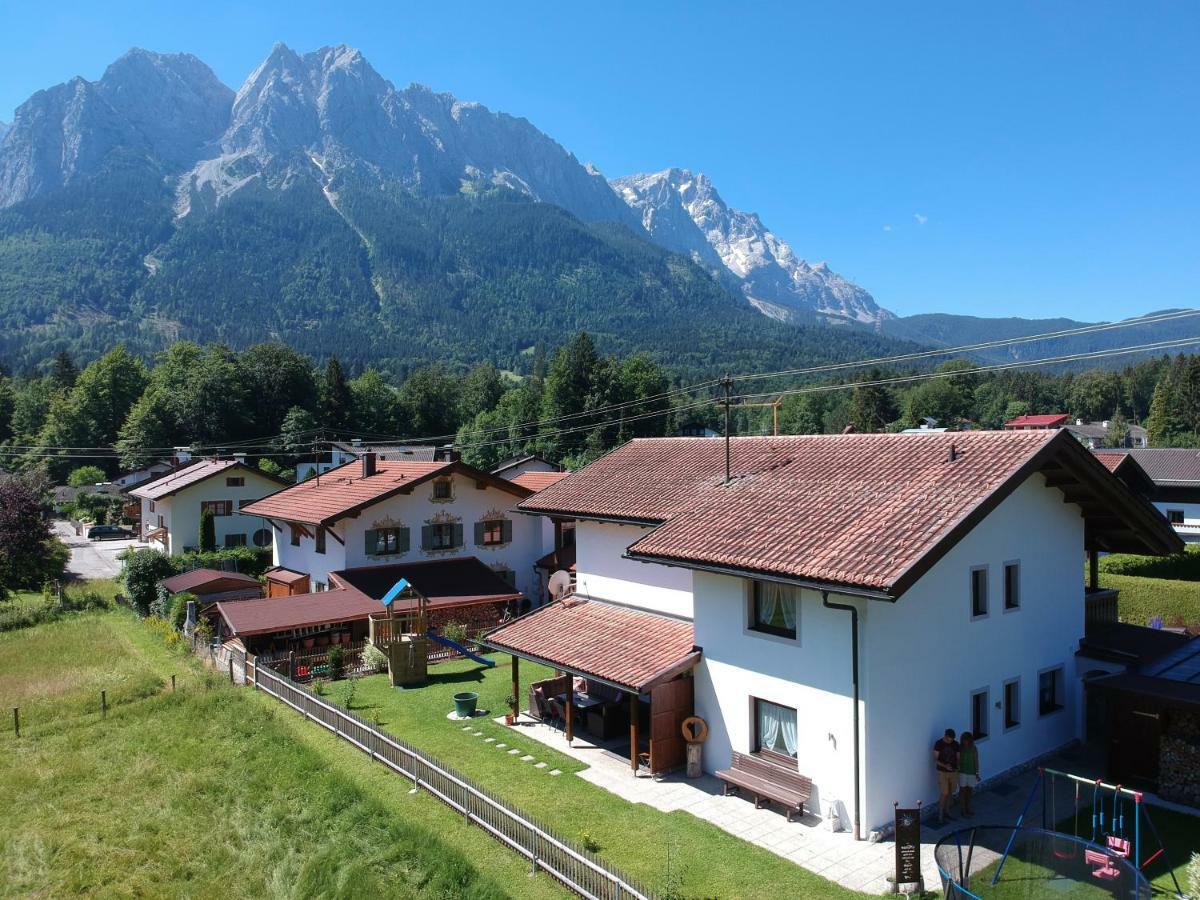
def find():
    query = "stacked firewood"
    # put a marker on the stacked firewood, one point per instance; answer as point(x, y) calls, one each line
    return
point(1179, 760)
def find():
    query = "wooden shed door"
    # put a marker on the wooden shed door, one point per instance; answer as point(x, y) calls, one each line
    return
point(670, 704)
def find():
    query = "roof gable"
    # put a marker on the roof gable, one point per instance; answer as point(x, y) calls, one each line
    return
point(193, 474)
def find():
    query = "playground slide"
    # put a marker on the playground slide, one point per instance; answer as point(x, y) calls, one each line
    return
point(454, 645)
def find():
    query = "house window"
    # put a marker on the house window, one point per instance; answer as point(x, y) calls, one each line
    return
point(979, 714)
point(320, 539)
point(493, 532)
point(296, 532)
point(321, 586)
point(979, 597)
point(151, 506)
point(442, 489)
point(218, 507)
point(773, 609)
point(1174, 516)
point(441, 537)
point(235, 540)
point(1050, 691)
point(160, 520)
point(1012, 586)
point(774, 729)
point(385, 541)
point(242, 504)
point(262, 537)
point(235, 481)
point(1012, 703)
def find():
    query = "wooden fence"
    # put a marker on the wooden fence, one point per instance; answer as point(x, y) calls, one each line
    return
point(579, 870)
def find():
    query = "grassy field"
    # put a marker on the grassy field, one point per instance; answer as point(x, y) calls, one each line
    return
point(1143, 598)
point(635, 837)
point(208, 791)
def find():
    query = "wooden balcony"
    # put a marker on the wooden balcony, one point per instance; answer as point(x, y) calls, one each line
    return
point(1099, 609)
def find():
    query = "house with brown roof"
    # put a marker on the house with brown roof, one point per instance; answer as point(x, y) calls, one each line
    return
point(373, 512)
point(171, 505)
point(1169, 478)
point(839, 600)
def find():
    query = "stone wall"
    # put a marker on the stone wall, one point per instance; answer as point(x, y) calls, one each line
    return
point(1179, 759)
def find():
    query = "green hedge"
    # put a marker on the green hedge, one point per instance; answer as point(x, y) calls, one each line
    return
point(252, 561)
point(1184, 567)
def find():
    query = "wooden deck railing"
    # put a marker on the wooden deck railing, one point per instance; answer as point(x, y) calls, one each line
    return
point(579, 870)
point(1099, 609)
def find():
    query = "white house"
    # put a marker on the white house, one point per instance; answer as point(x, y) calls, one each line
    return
point(171, 505)
point(342, 452)
point(1168, 477)
point(374, 512)
point(519, 465)
point(849, 597)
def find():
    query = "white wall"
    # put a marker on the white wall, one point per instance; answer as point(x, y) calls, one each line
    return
point(924, 655)
point(181, 511)
point(604, 574)
point(468, 506)
point(1190, 529)
point(810, 674)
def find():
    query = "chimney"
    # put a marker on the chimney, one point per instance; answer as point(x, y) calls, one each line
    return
point(355, 442)
point(447, 453)
point(952, 455)
point(368, 464)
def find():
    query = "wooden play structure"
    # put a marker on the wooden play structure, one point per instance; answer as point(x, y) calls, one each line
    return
point(400, 632)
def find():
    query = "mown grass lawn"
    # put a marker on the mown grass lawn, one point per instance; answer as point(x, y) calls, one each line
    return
point(640, 840)
point(210, 791)
point(1143, 598)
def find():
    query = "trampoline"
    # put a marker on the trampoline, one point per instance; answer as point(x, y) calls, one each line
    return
point(1003, 861)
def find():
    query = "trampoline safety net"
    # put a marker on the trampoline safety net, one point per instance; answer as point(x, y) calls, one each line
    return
point(999, 861)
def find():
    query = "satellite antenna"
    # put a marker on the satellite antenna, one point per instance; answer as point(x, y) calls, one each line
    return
point(560, 584)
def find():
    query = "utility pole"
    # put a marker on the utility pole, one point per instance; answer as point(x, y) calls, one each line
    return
point(727, 384)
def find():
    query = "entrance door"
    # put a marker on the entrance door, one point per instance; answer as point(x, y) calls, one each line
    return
point(670, 704)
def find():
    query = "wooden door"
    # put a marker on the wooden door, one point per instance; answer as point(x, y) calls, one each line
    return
point(1136, 733)
point(670, 704)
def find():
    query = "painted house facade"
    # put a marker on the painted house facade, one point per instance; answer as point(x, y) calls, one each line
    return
point(375, 512)
point(851, 596)
point(1168, 477)
point(171, 506)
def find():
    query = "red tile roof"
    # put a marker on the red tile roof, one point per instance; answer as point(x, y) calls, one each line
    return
point(280, 575)
point(626, 647)
point(207, 581)
point(1052, 420)
point(535, 481)
point(249, 617)
point(866, 510)
point(344, 490)
point(1112, 459)
point(181, 478)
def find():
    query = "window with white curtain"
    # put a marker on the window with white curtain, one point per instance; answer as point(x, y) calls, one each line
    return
point(773, 609)
point(775, 728)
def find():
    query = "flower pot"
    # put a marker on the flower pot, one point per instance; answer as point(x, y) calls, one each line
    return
point(464, 704)
point(323, 641)
point(308, 643)
point(346, 638)
point(509, 719)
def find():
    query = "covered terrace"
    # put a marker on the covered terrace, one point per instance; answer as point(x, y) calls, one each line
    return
point(619, 668)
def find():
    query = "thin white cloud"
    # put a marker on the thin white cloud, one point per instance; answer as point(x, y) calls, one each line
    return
point(887, 227)
point(921, 219)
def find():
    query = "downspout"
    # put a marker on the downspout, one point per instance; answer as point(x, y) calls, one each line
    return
point(853, 610)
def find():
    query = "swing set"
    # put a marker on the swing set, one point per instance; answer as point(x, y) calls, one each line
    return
point(1111, 838)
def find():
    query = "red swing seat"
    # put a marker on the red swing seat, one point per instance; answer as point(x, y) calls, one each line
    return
point(1105, 869)
point(1118, 846)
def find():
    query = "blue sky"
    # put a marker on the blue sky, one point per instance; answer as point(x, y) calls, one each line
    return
point(1032, 159)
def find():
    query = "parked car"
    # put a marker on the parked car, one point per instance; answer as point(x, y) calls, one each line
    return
point(109, 533)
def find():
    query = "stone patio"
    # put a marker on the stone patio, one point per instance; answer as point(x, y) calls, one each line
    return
point(858, 865)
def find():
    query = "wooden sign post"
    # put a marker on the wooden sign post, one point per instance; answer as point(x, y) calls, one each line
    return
point(908, 846)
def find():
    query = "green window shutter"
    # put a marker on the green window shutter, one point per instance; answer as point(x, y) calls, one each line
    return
point(426, 537)
point(372, 542)
point(404, 540)
point(458, 535)
point(479, 526)
point(506, 531)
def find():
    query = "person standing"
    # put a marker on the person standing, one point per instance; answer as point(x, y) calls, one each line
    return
point(968, 772)
point(945, 759)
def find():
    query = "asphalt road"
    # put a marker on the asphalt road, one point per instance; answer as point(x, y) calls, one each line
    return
point(91, 559)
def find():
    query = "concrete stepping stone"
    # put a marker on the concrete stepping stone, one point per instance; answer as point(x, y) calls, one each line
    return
point(539, 765)
point(501, 745)
point(513, 750)
point(476, 733)
point(526, 758)
point(488, 740)
point(556, 771)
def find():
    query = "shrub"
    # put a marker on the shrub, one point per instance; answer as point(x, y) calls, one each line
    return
point(374, 659)
point(85, 600)
point(142, 572)
point(455, 631)
point(169, 636)
point(252, 561)
point(1182, 567)
point(1193, 876)
point(208, 531)
point(337, 662)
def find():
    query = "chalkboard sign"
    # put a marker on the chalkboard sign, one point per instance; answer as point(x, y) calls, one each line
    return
point(908, 845)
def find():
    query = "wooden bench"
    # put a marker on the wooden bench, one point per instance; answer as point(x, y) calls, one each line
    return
point(767, 781)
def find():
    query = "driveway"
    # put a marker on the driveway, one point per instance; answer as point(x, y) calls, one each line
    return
point(91, 559)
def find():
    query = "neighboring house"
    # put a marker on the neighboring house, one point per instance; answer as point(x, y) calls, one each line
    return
point(371, 512)
point(519, 465)
point(342, 452)
point(171, 506)
point(1094, 435)
point(935, 579)
point(1035, 423)
point(1168, 477)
